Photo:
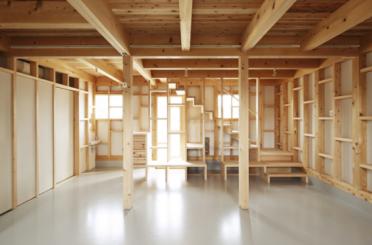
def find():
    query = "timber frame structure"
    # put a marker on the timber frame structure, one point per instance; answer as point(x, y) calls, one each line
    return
point(306, 64)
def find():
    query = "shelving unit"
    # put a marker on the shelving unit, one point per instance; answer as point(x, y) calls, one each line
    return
point(364, 173)
point(195, 141)
point(324, 79)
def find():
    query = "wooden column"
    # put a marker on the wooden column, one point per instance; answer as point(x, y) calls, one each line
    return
point(243, 133)
point(357, 79)
point(127, 134)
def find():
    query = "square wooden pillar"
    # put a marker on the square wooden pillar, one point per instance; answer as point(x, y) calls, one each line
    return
point(127, 133)
point(243, 133)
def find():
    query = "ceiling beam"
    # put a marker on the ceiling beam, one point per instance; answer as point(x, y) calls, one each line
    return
point(137, 65)
point(105, 69)
point(167, 53)
point(265, 18)
point(185, 8)
point(48, 15)
point(61, 66)
point(235, 52)
point(347, 16)
point(100, 16)
point(269, 74)
point(229, 64)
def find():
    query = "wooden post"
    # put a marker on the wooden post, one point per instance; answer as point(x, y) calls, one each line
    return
point(357, 78)
point(127, 134)
point(13, 66)
point(243, 133)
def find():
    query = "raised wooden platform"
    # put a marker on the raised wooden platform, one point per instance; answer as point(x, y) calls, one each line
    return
point(178, 165)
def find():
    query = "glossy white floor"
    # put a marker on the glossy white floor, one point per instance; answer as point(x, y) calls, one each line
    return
point(87, 210)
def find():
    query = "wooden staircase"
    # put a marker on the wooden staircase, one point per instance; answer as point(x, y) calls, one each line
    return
point(280, 164)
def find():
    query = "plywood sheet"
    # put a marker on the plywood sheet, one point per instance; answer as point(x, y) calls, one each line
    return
point(346, 77)
point(64, 132)
point(5, 142)
point(117, 143)
point(346, 162)
point(45, 136)
point(25, 138)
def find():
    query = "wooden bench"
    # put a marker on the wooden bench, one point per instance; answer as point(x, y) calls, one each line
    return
point(177, 165)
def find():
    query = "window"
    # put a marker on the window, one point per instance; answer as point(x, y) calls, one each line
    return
point(230, 105)
point(109, 106)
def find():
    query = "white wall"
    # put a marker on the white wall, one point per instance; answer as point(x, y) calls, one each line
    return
point(64, 140)
point(45, 136)
point(5, 142)
point(25, 138)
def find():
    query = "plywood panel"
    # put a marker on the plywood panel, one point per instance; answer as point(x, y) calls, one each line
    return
point(269, 95)
point(269, 117)
point(346, 77)
point(328, 137)
point(328, 166)
point(369, 93)
point(346, 163)
point(209, 103)
point(117, 143)
point(45, 136)
point(64, 140)
point(268, 140)
point(25, 138)
point(346, 119)
point(328, 101)
point(5, 142)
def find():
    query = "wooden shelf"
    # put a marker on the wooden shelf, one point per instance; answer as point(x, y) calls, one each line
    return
point(325, 118)
point(366, 166)
point(349, 140)
point(297, 88)
point(309, 135)
point(194, 146)
point(325, 156)
point(365, 118)
point(366, 69)
point(297, 118)
point(343, 97)
point(297, 148)
point(308, 102)
point(327, 80)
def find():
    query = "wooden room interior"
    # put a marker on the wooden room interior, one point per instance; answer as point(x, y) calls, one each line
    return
point(279, 91)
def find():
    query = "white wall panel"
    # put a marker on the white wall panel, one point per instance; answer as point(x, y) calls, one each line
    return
point(64, 140)
point(25, 138)
point(5, 142)
point(45, 136)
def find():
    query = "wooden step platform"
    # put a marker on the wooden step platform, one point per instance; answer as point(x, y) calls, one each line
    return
point(265, 165)
point(178, 165)
point(276, 155)
point(302, 175)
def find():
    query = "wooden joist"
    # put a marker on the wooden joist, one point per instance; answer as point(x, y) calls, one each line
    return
point(229, 64)
point(278, 74)
point(100, 16)
point(266, 17)
point(105, 69)
point(205, 52)
point(352, 13)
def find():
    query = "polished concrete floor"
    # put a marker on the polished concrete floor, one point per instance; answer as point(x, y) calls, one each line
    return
point(88, 210)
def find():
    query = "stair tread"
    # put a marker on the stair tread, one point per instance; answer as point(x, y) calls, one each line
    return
point(275, 153)
point(295, 174)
